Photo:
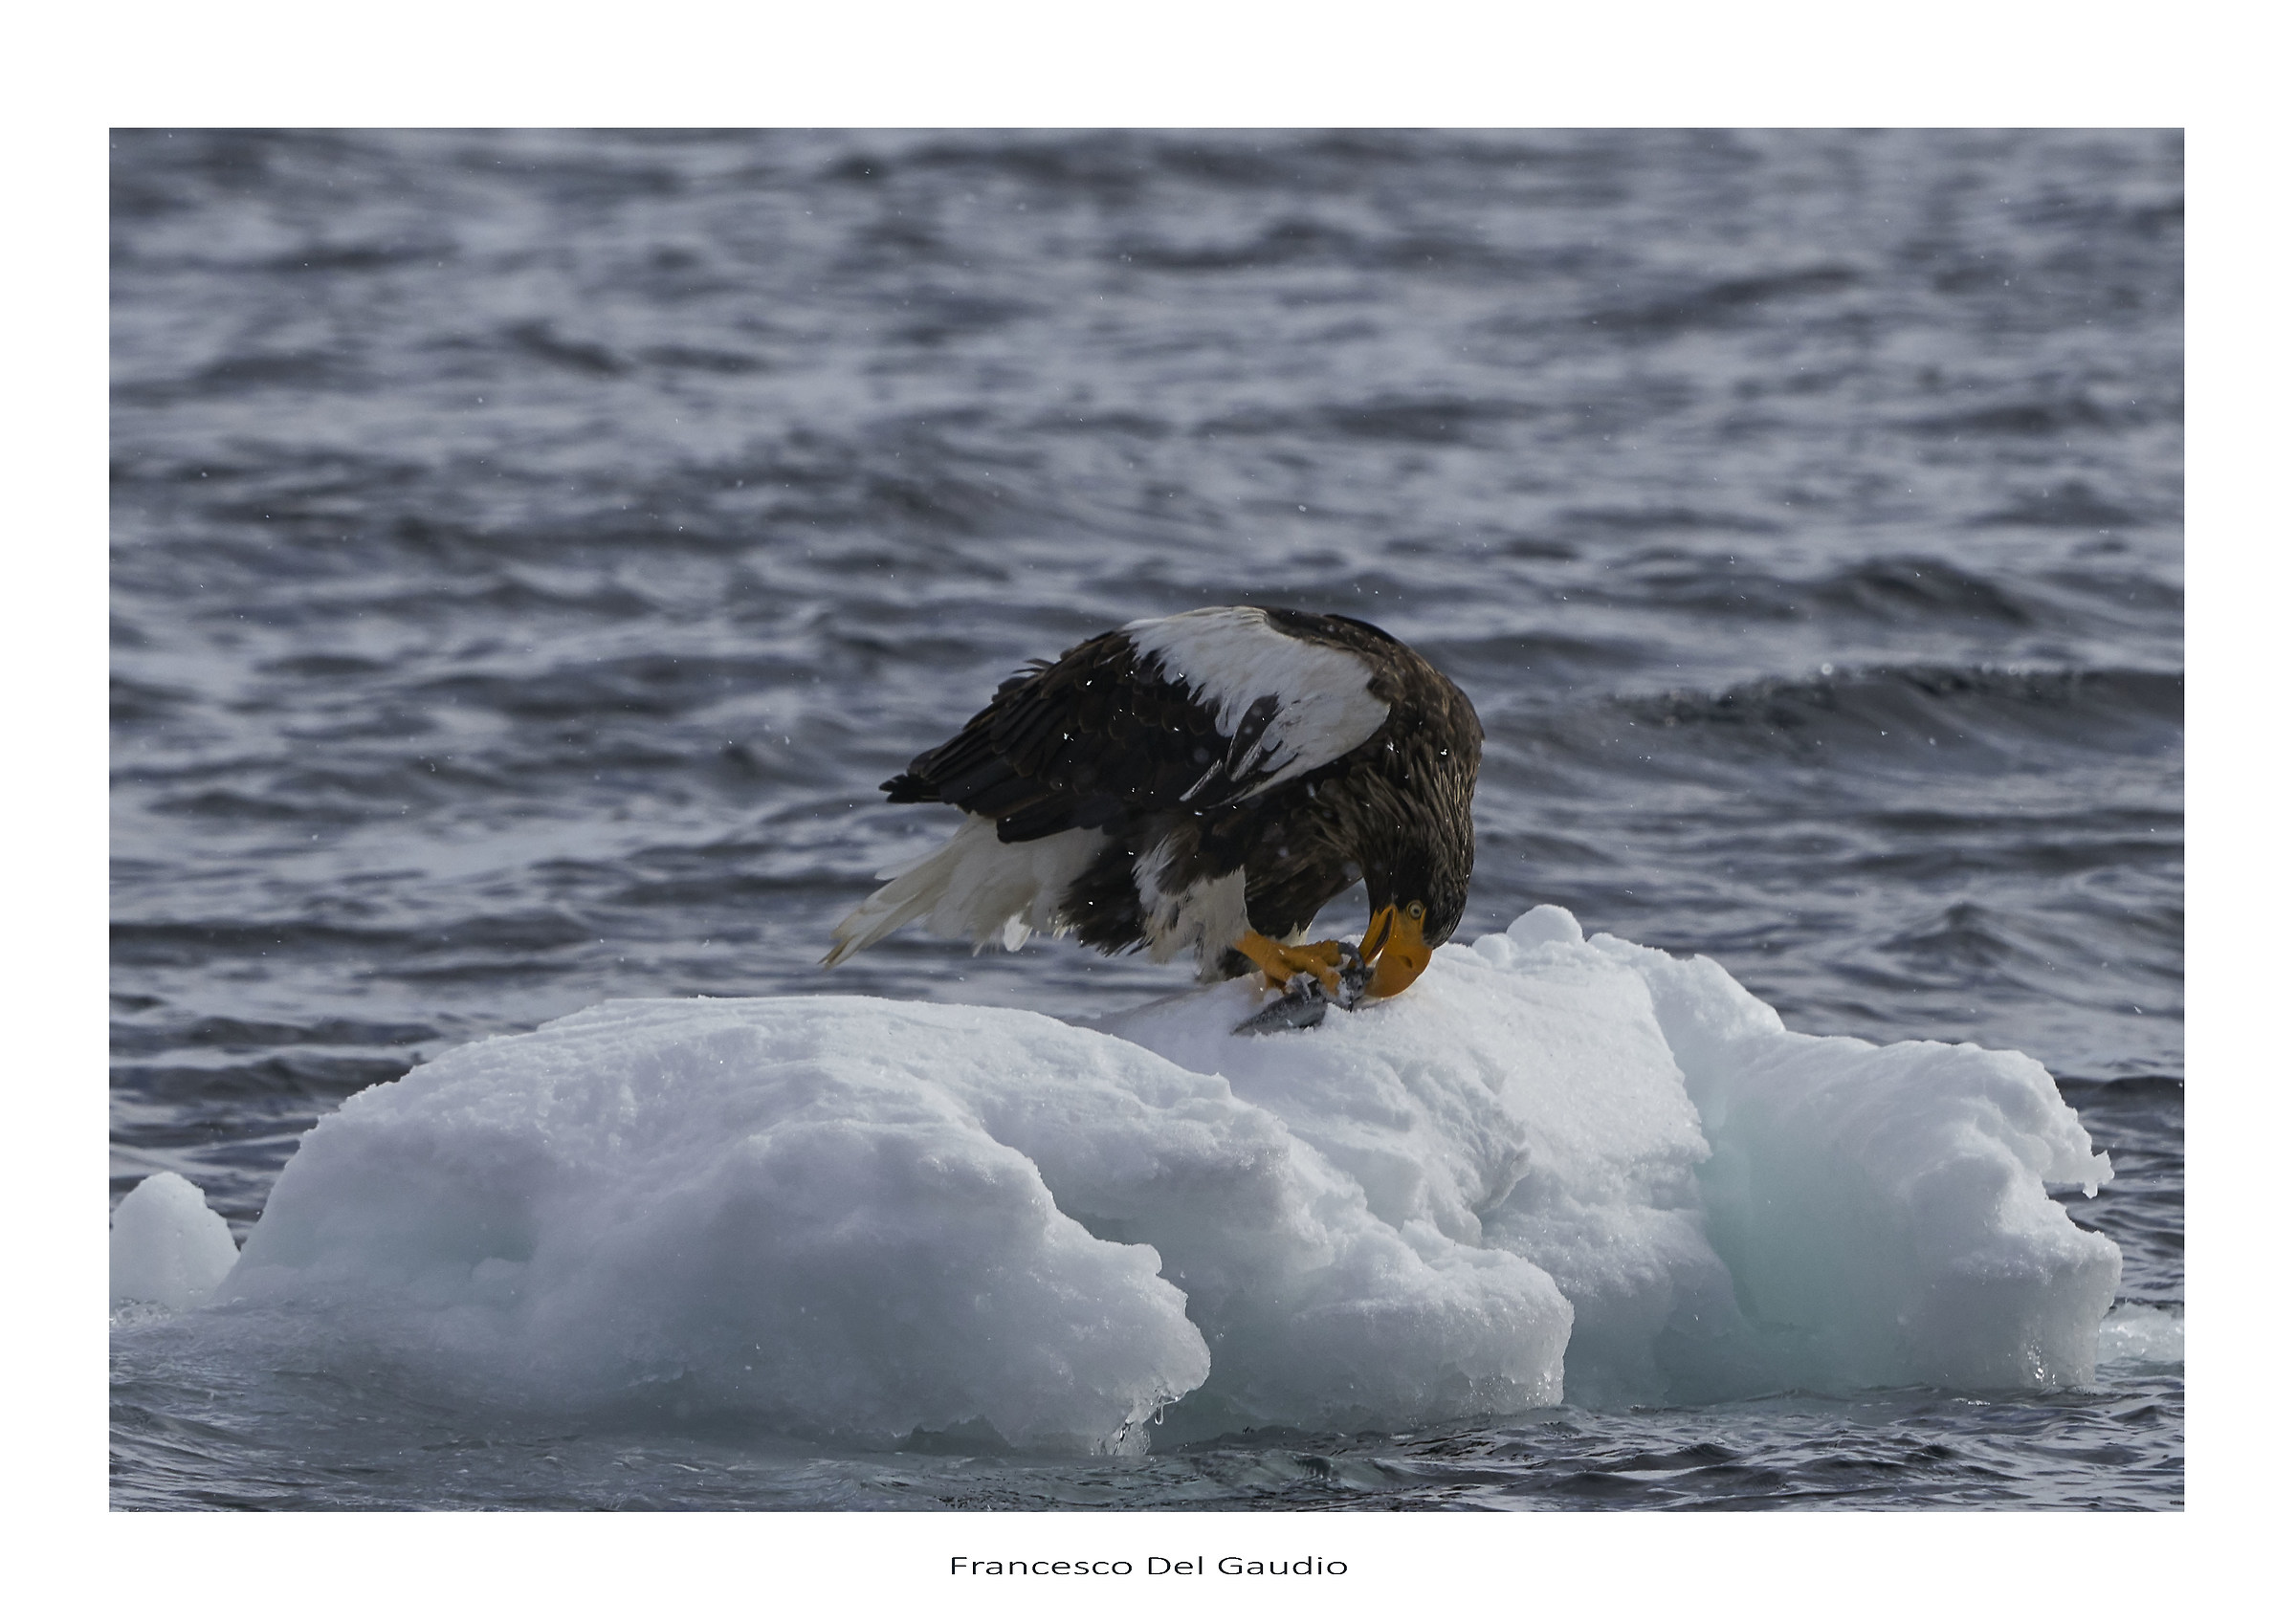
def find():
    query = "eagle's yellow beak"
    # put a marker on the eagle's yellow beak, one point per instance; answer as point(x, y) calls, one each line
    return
point(1395, 947)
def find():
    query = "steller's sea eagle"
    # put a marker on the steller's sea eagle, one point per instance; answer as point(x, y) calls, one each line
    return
point(1203, 782)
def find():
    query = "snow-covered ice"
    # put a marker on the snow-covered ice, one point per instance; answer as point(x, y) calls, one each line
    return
point(1728, 1206)
point(167, 1249)
point(1557, 1166)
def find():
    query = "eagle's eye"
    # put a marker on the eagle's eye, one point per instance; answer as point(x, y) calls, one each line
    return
point(1416, 911)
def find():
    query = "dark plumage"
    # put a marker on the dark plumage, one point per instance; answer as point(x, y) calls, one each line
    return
point(1210, 772)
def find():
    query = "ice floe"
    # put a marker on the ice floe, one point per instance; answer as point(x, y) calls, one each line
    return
point(168, 1250)
point(1557, 1166)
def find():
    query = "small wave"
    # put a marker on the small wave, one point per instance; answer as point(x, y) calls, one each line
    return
point(1965, 936)
point(199, 942)
point(1904, 590)
point(1102, 164)
point(1292, 241)
point(2070, 506)
point(203, 942)
point(1723, 301)
point(1544, 658)
point(134, 701)
point(241, 375)
point(1426, 421)
point(542, 341)
point(223, 1031)
point(651, 685)
point(2137, 1084)
point(325, 256)
point(2101, 709)
point(1919, 589)
point(323, 666)
point(1399, 419)
point(282, 1076)
point(2019, 419)
point(689, 357)
point(233, 807)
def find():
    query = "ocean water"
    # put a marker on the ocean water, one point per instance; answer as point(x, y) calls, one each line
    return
point(531, 550)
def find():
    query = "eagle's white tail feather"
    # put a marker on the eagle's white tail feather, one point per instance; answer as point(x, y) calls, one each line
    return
point(974, 888)
point(913, 890)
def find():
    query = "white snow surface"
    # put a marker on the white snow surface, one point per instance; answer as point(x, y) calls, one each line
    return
point(167, 1249)
point(1555, 1167)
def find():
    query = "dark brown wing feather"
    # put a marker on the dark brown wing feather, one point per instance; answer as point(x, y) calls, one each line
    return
point(1084, 742)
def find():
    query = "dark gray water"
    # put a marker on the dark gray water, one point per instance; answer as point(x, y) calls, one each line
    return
point(530, 551)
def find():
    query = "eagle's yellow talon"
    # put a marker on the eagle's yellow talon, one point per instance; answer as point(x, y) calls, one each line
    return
point(1279, 963)
point(1394, 949)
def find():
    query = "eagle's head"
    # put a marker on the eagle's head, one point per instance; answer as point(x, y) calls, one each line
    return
point(1418, 896)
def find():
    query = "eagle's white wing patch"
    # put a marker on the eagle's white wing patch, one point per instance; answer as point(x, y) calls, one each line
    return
point(1231, 659)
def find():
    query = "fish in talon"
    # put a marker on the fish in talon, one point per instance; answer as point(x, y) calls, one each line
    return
point(1303, 1004)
